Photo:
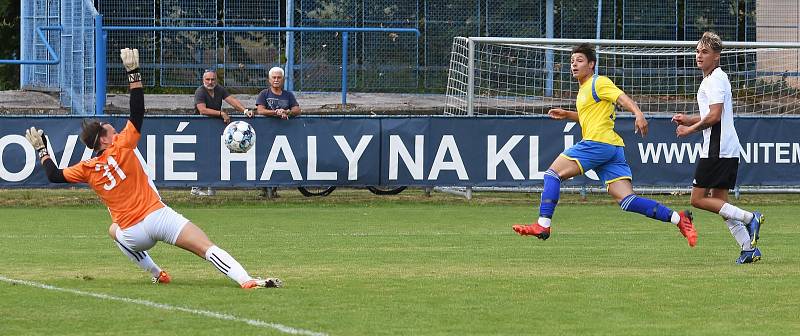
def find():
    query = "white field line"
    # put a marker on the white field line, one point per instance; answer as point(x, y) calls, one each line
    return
point(44, 236)
point(206, 313)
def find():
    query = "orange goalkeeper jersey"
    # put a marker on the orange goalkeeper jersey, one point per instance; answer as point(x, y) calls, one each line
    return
point(118, 177)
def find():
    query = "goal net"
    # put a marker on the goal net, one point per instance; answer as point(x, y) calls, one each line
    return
point(513, 76)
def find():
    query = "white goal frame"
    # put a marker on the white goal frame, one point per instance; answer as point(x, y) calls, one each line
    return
point(461, 74)
point(473, 41)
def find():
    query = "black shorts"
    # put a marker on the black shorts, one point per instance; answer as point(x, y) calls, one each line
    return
point(717, 173)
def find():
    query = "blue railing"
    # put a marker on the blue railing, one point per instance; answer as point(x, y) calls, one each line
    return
point(40, 32)
point(101, 47)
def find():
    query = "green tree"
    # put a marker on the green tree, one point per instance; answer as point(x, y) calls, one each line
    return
point(9, 34)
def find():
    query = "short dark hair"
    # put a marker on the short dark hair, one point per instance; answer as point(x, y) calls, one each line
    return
point(586, 49)
point(91, 131)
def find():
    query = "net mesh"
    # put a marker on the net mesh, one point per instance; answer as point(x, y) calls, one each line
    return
point(389, 60)
point(442, 21)
point(185, 54)
point(517, 79)
point(319, 54)
point(248, 56)
point(130, 13)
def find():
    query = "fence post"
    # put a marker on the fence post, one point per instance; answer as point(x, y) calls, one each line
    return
point(24, 43)
point(100, 66)
point(599, 18)
point(289, 73)
point(597, 33)
point(344, 69)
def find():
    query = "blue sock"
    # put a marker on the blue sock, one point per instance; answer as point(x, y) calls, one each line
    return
point(550, 194)
point(647, 207)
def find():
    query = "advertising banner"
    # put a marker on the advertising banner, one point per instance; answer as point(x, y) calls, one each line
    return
point(392, 151)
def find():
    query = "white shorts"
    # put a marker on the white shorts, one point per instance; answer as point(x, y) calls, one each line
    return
point(161, 225)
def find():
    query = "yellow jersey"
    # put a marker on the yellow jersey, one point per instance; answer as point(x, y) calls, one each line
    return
point(595, 103)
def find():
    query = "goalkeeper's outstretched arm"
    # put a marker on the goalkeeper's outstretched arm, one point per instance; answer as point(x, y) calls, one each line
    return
point(39, 142)
point(137, 107)
point(130, 58)
point(54, 174)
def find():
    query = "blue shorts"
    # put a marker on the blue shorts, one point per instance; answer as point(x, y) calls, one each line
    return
point(608, 161)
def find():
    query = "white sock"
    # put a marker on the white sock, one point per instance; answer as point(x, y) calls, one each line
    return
point(676, 218)
point(140, 258)
point(226, 264)
point(544, 222)
point(729, 211)
point(739, 233)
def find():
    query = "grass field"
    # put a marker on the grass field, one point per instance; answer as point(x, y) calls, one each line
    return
point(357, 264)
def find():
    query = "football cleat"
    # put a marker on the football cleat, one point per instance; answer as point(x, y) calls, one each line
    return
point(162, 277)
point(754, 226)
point(263, 283)
point(687, 227)
point(533, 230)
point(747, 257)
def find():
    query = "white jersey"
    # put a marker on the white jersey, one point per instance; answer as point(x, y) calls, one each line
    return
point(719, 140)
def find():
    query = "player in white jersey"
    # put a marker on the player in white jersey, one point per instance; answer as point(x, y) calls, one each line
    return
point(716, 171)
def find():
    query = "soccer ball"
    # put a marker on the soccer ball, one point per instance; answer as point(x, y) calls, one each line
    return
point(239, 136)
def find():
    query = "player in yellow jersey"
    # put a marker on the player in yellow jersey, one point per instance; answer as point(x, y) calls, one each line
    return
point(601, 150)
point(139, 217)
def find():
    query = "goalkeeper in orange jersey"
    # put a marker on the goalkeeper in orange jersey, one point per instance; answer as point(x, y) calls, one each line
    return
point(601, 150)
point(140, 218)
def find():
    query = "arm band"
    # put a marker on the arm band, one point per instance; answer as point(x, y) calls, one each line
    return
point(134, 76)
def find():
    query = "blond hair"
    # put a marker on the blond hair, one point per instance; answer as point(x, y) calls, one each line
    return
point(711, 41)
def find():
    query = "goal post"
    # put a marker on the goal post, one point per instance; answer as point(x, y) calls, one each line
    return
point(528, 76)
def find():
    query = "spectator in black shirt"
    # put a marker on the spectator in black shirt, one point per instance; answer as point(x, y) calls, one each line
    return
point(208, 101)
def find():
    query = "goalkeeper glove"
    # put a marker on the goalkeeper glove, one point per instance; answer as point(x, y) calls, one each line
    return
point(38, 140)
point(130, 58)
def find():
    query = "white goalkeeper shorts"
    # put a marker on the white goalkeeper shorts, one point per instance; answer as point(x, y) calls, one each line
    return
point(163, 225)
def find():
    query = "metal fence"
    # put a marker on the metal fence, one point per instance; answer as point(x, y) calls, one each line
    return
point(39, 14)
point(130, 13)
point(319, 57)
point(378, 61)
point(74, 75)
point(248, 56)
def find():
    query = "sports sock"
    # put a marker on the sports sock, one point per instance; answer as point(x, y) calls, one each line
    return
point(729, 211)
point(675, 218)
point(544, 222)
point(647, 207)
point(142, 259)
point(550, 195)
point(739, 232)
point(225, 263)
